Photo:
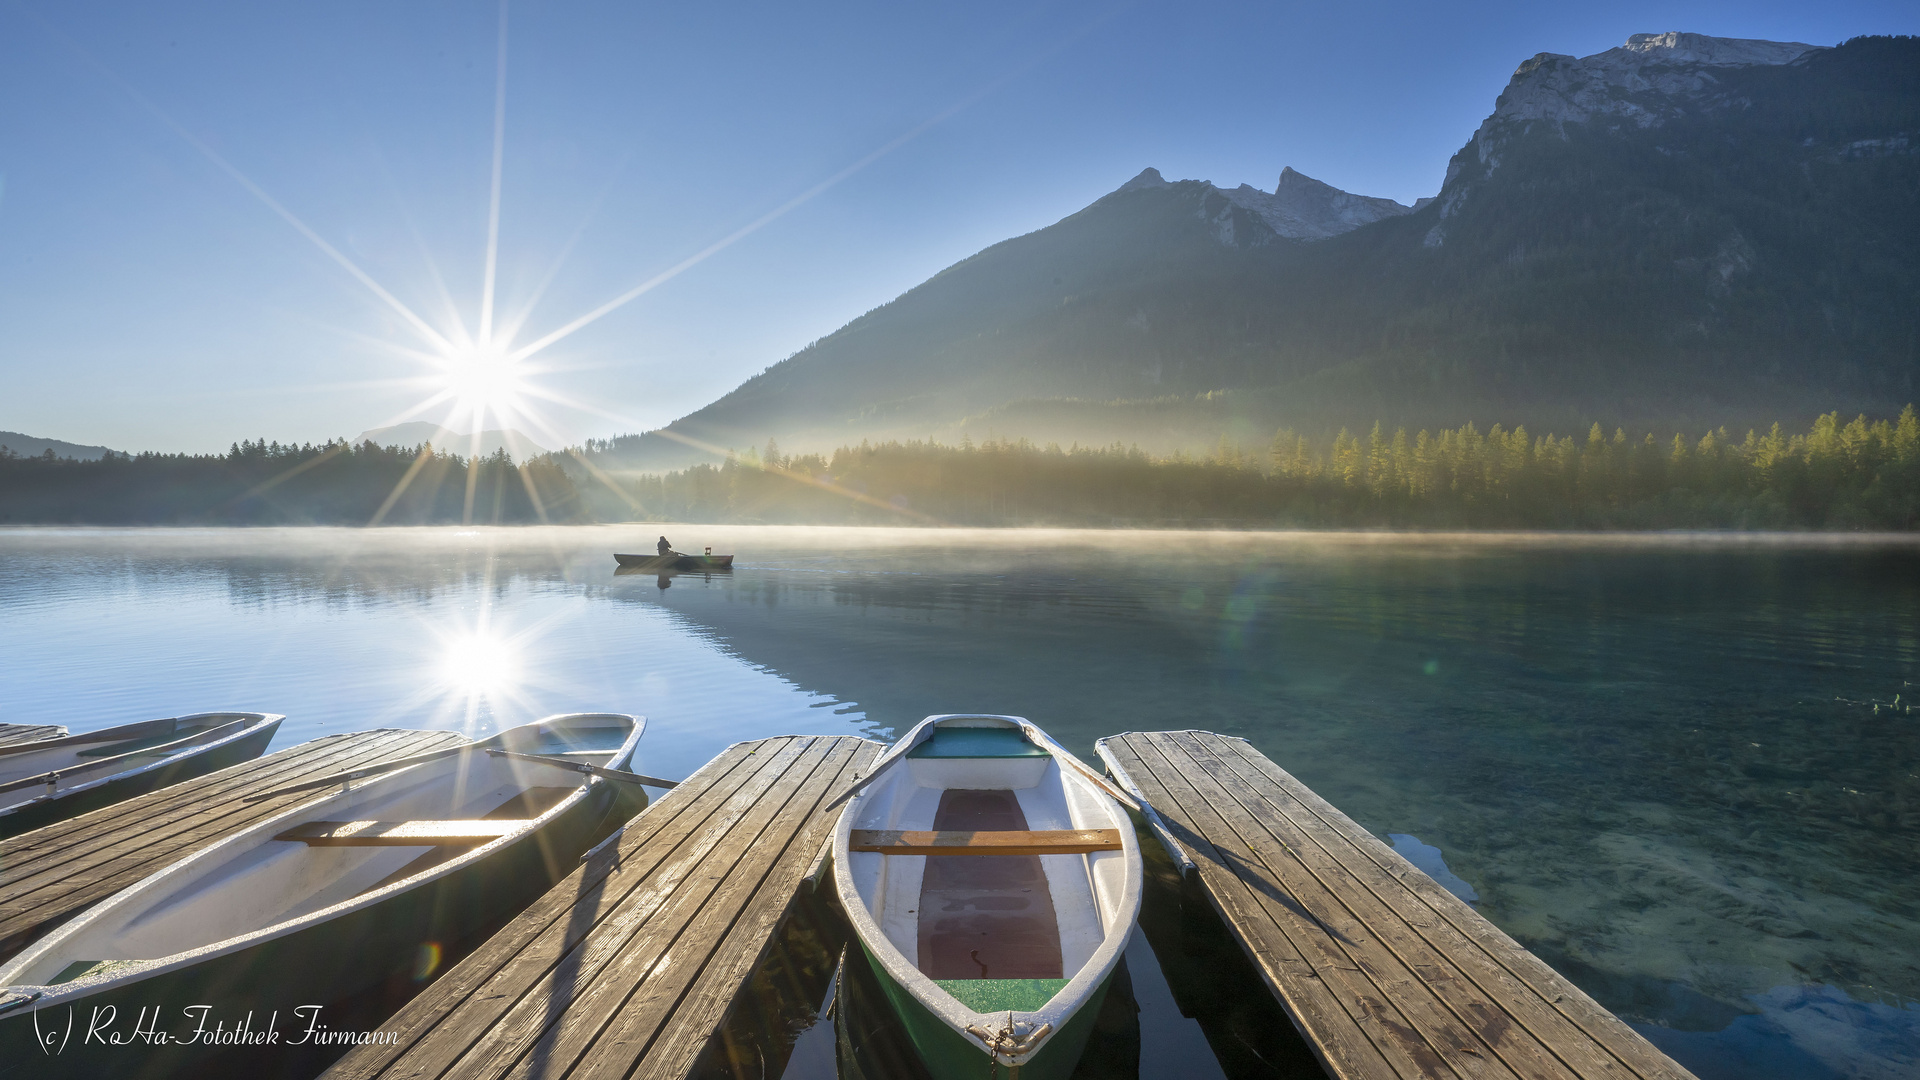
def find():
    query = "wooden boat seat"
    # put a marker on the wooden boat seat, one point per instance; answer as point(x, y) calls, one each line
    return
point(469, 832)
point(1008, 842)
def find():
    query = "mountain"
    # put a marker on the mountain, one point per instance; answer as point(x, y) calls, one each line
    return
point(517, 445)
point(1681, 232)
point(29, 446)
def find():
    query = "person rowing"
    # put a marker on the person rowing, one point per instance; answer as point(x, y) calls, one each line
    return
point(666, 549)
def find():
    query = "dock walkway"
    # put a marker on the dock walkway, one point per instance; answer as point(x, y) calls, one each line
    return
point(26, 733)
point(54, 872)
point(1385, 973)
point(629, 966)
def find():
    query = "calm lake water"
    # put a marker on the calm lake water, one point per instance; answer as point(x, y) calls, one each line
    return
point(1683, 770)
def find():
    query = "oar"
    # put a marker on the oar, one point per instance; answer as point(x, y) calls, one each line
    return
point(591, 770)
point(1121, 797)
point(856, 789)
point(355, 774)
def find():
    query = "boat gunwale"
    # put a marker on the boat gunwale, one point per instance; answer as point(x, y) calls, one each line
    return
point(179, 750)
point(1080, 988)
point(52, 994)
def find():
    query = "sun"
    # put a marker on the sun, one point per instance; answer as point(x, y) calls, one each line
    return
point(479, 665)
point(483, 379)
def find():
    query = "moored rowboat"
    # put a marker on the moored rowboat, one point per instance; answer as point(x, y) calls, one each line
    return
point(339, 894)
point(51, 780)
point(992, 883)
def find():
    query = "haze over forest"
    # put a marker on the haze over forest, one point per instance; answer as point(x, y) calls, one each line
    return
point(1651, 277)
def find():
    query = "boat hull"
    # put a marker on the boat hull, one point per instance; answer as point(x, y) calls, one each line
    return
point(948, 1055)
point(676, 562)
point(396, 939)
point(190, 763)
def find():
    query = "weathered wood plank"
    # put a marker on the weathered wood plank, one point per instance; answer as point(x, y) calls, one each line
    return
point(957, 842)
point(615, 1004)
point(1473, 1001)
point(1491, 958)
point(1343, 900)
point(518, 961)
point(656, 1029)
point(11, 734)
point(1337, 1008)
point(640, 954)
point(630, 965)
point(48, 875)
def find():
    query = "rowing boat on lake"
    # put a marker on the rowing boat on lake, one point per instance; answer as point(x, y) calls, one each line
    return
point(362, 884)
point(50, 780)
point(675, 561)
point(992, 882)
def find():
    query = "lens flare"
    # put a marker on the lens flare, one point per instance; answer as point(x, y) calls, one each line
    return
point(479, 665)
point(483, 380)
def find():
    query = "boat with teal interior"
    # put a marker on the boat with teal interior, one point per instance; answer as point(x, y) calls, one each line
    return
point(359, 886)
point(993, 881)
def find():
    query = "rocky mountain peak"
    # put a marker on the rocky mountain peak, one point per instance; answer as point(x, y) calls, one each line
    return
point(1650, 80)
point(1302, 208)
point(1148, 178)
point(1298, 208)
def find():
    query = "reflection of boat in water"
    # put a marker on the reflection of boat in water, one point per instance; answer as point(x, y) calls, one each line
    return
point(336, 896)
point(674, 561)
point(50, 780)
point(993, 883)
point(666, 576)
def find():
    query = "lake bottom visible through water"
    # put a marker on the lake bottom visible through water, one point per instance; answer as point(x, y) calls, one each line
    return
point(1683, 770)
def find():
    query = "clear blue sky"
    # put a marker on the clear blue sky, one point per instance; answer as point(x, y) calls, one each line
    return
point(149, 300)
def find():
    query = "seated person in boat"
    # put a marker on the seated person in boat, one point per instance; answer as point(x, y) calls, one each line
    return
point(666, 549)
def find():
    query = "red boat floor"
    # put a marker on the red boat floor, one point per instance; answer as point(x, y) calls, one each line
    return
point(986, 916)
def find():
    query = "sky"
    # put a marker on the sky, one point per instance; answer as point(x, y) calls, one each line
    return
point(224, 221)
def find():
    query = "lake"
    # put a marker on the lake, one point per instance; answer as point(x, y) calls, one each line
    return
point(1684, 770)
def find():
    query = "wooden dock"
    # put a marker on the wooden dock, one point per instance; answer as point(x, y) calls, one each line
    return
point(53, 873)
point(1386, 974)
point(26, 733)
point(629, 966)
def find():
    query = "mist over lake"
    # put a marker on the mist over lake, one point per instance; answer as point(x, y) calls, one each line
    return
point(1684, 768)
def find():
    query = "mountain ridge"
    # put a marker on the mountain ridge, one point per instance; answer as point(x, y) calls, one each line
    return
point(1682, 231)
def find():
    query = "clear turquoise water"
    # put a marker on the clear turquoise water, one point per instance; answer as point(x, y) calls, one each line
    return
point(1684, 770)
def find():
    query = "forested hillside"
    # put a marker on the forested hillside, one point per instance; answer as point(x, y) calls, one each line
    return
point(1837, 475)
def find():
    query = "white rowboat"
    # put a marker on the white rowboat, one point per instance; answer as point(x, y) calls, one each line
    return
point(993, 883)
point(352, 888)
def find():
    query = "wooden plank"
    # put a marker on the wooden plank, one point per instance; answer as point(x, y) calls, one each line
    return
point(702, 1013)
point(10, 734)
point(511, 964)
point(1358, 1030)
point(1005, 842)
point(647, 963)
point(469, 832)
point(1344, 900)
point(50, 874)
point(1470, 1001)
point(636, 958)
point(1491, 958)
